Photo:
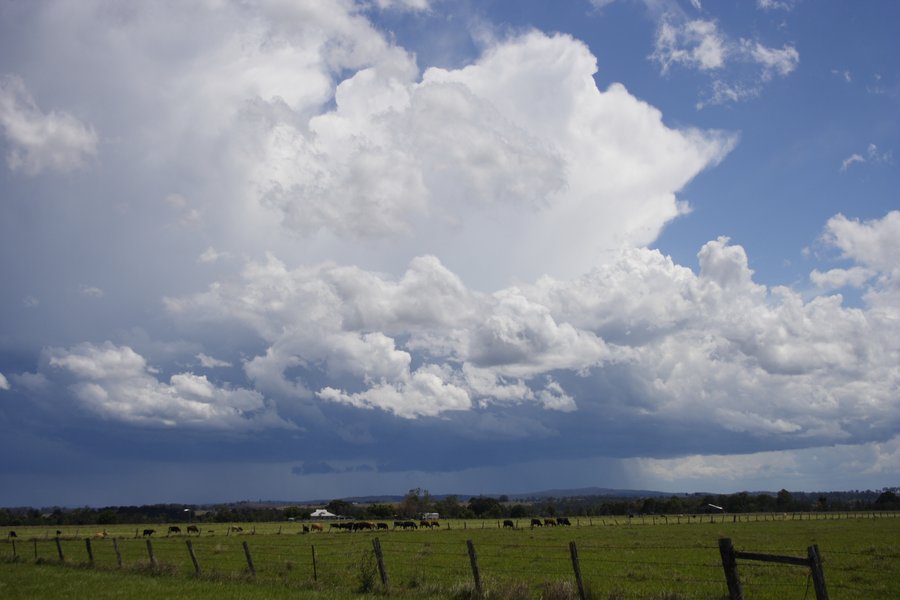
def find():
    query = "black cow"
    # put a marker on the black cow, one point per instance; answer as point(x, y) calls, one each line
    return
point(193, 529)
point(536, 523)
point(174, 529)
point(11, 535)
point(508, 523)
point(149, 532)
point(563, 521)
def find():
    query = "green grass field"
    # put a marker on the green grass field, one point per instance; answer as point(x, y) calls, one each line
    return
point(658, 558)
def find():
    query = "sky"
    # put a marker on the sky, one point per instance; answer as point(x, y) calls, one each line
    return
point(292, 249)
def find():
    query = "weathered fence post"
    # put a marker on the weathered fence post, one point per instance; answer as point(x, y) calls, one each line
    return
point(473, 560)
point(14, 549)
point(380, 558)
point(729, 564)
point(62, 558)
point(573, 550)
point(818, 576)
point(35, 548)
point(315, 573)
point(153, 562)
point(190, 547)
point(118, 552)
point(90, 551)
point(249, 559)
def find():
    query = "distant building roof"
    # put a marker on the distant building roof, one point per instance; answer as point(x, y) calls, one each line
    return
point(321, 513)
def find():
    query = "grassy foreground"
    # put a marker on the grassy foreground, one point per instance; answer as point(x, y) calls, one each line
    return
point(619, 559)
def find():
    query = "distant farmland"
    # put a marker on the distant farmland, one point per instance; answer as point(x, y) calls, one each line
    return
point(674, 556)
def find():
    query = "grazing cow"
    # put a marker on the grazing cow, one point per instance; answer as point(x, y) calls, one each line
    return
point(236, 529)
point(58, 533)
point(550, 522)
point(315, 527)
point(536, 523)
point(11, 535)
point(193, 529)
point(423, 524)
point(381, 525)
point(174, 529)
point(362, 525)
point(563, 521)
point(149, 532)
point(509, 523)
point(306, 529)
point(100, 535)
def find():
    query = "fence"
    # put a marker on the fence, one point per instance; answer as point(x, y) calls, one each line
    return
point(589, 562)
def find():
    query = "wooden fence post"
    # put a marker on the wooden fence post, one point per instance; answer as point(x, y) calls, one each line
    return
point(118, 552)
point(315, 572)
point(380, 558)
point(190, 547)
point(573, 550)
point(14, 549)
point(729, 564)
point(90, 551)
point(473, 560)
point(249, 559)
point(35, 548)
point(818, 577)
point(62, 558)
point(153, 562)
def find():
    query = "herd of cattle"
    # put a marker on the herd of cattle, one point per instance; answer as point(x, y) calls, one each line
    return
point(340, 525)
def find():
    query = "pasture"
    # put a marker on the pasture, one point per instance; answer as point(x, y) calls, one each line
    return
point(651, 558)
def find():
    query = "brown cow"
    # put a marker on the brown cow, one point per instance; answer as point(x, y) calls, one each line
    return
point(315, 527)
point(193, 529)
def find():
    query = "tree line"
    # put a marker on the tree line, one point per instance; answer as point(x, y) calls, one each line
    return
point(418, 502)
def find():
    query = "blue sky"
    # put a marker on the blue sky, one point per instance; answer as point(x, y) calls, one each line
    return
point(290, 250)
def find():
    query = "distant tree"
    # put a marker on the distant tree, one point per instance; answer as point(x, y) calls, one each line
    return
point(485, 506)
point(449, 507)
point(784, 500)
point(887, 500)
point(380, 511)
point(518, 511)
point(416, 502)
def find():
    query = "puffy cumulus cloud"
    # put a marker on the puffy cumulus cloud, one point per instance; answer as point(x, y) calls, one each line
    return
point(4, 383)
point(116, 383)
point(41, 141)
point(874, 246)
point(712, 350)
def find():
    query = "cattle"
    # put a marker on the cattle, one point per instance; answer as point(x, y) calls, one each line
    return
point(550, 522)
point(236, 529)
point(315, 527)
point(509, 523)
point(58, 533)
point(100, 535)
point(536, 523)
point(563, 521)
point(405, 525)
point(148, 532)
point(360, 525)
point(193, 529)
point(174, 529)
point(11, 535)
point(382, 525)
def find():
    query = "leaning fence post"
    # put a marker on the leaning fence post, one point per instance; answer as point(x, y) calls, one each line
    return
point(818, 576)
point(35, 548)
point(249, 559)
point(315, 573)
point(473, 560)
point(90, 551)
point(118, 552)
point(190, 547)
point(14, 549)
point(729, 564)
point(380, 558)
point(62, 558)
point(573, 550)
point(153, 562)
